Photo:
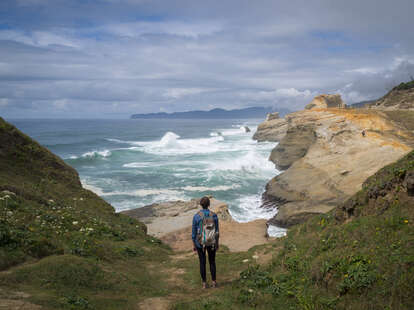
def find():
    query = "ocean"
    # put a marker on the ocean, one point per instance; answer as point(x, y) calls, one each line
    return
point(133, 163)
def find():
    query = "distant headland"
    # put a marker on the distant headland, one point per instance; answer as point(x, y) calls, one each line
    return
point(252, 112)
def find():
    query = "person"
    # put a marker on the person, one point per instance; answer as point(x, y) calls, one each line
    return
point(201, 249)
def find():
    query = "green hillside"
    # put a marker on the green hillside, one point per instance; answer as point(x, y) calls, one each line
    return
point(360, 256)
point(63, 245)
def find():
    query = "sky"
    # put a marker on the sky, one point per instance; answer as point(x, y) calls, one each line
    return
point(113, 58)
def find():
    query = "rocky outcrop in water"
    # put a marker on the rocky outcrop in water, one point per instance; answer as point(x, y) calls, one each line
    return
point(327, 158)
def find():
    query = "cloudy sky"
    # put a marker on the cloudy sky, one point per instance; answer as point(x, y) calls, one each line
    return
point(112, 58)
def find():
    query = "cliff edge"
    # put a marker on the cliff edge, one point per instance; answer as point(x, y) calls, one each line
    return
point(326, 154)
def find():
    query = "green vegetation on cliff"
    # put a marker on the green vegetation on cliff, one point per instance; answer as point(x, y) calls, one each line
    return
point(359, 256)
point(404, 86)
point(62, 244)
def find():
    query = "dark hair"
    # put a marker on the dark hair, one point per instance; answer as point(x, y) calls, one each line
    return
point(205, 202)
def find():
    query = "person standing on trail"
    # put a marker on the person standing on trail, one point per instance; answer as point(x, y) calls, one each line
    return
point(205, 236)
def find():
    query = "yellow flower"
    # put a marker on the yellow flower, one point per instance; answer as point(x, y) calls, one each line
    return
point(406, 221)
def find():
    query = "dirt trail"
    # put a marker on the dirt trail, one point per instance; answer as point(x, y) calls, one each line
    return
point(171, 222)
point(187, 291)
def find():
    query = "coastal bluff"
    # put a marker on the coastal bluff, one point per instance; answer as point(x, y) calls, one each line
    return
point(326, 154)
point(171, 222)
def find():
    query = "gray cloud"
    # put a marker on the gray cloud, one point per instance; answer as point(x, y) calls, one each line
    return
point(112, 58)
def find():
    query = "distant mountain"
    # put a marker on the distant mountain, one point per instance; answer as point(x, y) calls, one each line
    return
point(253, 112)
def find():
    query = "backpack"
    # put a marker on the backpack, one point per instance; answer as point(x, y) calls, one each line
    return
point(207, 232)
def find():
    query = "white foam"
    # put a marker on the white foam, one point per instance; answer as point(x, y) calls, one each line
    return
point(116, 140)
point(138, 165)
point(249, 209)
point(274, 231)
point(98, 191)
point(252, 162)
point(169, 139)
point(233, 132)
point(212, 189)
point(171, 144)
point(144, 192)
point(105, 153)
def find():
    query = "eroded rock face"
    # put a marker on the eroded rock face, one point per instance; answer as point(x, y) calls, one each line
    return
point(328, 159)
point(326, 101)
point(293, 146)
point(272, 130)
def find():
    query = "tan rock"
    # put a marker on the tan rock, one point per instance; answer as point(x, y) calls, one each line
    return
point(293, 146)
point(272, 116)
point(326, 101)
point(336, 163)
point(272, 130)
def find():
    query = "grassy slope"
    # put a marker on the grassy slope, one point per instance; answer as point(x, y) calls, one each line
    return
point(359, 256)
point(63, 244)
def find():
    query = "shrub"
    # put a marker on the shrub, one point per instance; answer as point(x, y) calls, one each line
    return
point(357, 274)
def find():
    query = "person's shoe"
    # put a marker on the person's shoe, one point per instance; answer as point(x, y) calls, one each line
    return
point(214, 284)
point(204, 285)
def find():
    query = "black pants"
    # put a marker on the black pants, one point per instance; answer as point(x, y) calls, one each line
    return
point(211, 260)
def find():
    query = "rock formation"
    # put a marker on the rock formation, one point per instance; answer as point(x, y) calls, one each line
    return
point(325, 102)
point(246, 129)
point(327, 158)
point(272, 116)
point(293, 146)
point(273, 129)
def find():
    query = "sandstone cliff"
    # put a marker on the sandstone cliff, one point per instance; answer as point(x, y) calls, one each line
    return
point(273, 129)
point(327, 158)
